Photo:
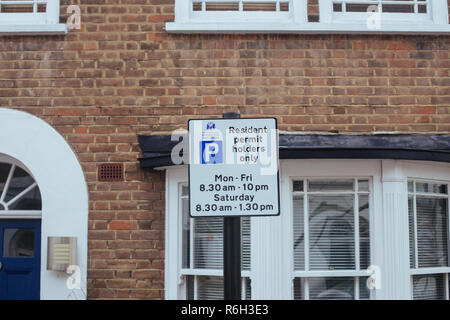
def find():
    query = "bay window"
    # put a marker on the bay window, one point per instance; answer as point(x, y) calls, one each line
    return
point(340, 221)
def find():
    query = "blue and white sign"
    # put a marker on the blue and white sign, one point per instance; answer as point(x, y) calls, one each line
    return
point(233, 167)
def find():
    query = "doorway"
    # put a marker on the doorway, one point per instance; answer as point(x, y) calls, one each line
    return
point(20, 259)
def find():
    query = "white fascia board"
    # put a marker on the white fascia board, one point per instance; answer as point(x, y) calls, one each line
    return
point(307, 28)
point(34, 29)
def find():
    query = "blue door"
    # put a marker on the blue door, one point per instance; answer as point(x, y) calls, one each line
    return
point(20, 259)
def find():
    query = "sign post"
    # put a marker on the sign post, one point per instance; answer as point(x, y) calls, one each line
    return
point(233, 172)
point(231, 249)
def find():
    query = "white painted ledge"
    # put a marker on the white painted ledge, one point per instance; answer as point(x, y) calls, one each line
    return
point(33, 29)
point(306, 28)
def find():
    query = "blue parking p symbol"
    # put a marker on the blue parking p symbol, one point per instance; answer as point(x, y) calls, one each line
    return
point(211, 152)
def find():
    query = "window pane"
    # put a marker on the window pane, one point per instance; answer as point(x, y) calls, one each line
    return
point(431, 187)
point(184, 191)
point(331, 232)
point(29, 201)
point(4, 172)
point(248, 289)
point(331, 288)
point(298, 185)
point(208, 238)
point(245, 242)
point(363, 185)
point(357, 7)
point(299, 235)
point(208, 243)
point(18, 243)
point(186, 234)
point(19, 182)
point(210, 288)
point(410, 186)
point(432, 232)
point(412, 246)
point(364, 292)
point(190, 287)
point(330, 185)
point(364, 232)
point(429, 287)
point(299, 289)
point(398, 8)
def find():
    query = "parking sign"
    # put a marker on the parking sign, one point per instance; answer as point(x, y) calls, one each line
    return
point(233, 167)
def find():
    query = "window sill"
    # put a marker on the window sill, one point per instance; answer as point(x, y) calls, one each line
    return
point(306, 28)
point(33, 29)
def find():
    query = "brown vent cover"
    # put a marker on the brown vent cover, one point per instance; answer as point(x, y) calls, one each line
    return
point(110, 172)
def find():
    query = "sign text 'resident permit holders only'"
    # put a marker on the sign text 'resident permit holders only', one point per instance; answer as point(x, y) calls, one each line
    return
point(233, 167)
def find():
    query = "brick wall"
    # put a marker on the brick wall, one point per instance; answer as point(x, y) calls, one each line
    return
point(122, 75)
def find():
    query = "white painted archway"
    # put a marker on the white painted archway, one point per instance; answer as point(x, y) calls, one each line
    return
point(60, 178)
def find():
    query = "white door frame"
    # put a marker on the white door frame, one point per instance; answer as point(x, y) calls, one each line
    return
point(57, 171)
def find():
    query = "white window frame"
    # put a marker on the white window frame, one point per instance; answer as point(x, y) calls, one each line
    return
point(440, 173)
point(330, 169)
point(272, 261)
point(356, 273)
point(436, 15)
point(33, 22)
point(17, 214)
point(296, 20)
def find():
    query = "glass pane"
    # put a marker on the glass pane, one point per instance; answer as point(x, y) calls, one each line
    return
point(429, 287)
point(245, 242)
point(299, 289)
point(331, 232)
point(208, 238)
point(422, 9)
point(18, 242)
point(19, 182)
point(208, 243)
point(432, 237)
point(210, 288)
point(363, 185)
point(299, 234)
point(248, 289)
point(331, 288)
point(364, 232)
point(412, 246)
point(357, 7)
point(184, 191)
point(431, 187)
point(4, 172)
point(190, 287)
point(337, 7)
point(398, 8)
point(29, 201)
point(298, 185)
point(364, 291)
point(410, 186)
point(186, 233)
point(330, 185)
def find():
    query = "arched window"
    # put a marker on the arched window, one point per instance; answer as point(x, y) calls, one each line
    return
point(18, 189)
